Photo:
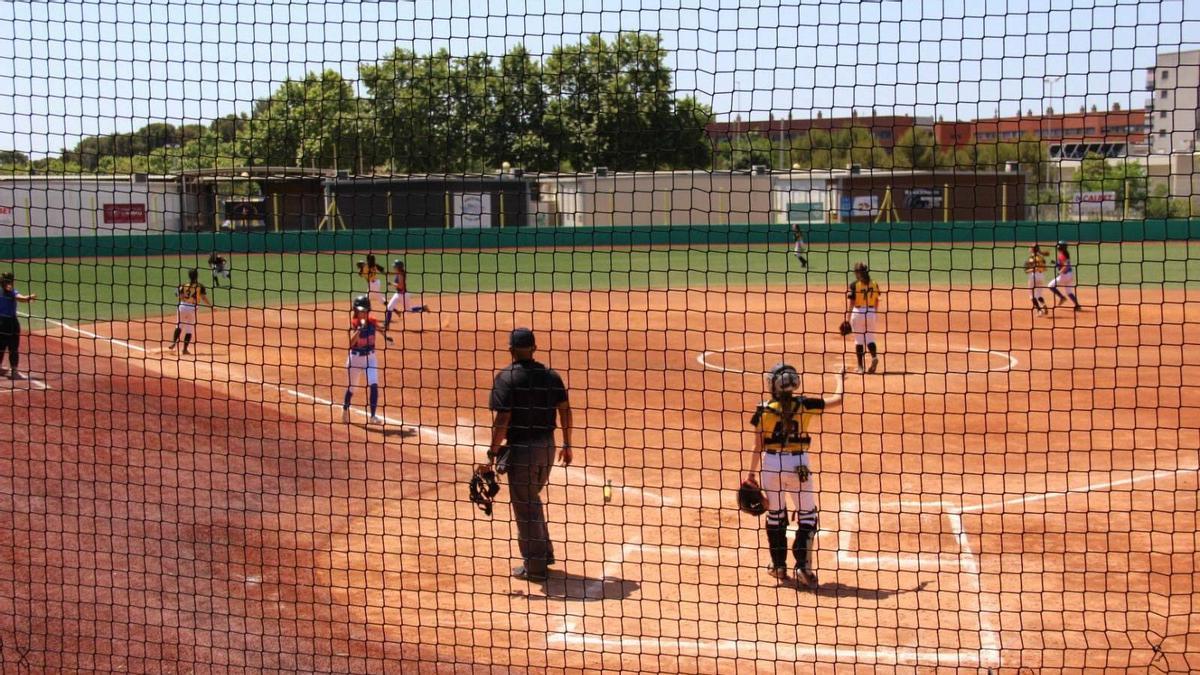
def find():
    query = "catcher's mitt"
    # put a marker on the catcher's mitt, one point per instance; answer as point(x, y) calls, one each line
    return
point(483, 488)
point(751, 499)
point(845, 328)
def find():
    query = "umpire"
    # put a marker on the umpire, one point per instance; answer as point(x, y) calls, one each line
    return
point(526, 397)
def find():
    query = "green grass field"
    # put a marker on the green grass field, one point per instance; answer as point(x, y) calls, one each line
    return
point(91, 289)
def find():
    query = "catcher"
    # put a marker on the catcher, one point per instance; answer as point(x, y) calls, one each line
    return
point(781, 445)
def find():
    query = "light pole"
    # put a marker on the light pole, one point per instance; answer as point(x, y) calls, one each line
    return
point(1052, 80)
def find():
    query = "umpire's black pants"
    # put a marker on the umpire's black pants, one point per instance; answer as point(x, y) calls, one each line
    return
point(10, 340)
point(529, 467)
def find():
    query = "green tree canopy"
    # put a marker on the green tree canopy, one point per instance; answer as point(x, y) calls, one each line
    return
point(314, 122)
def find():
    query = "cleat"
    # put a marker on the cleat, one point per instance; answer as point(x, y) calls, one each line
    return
point(375, 421)
point(16, 375)
point(874, 364)
point(778, 572)
point(388, 339)
point(345, 414)
point(3, 372)
point(806, 578)
point(524, 574)
point(1078, 308)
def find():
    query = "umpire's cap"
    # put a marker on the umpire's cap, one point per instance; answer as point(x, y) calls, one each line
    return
point(521, 338)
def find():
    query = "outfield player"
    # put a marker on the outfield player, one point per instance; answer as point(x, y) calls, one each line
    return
point(781, 446)
point(1035, 269)
point(1064, 281)
point(190, 295)
point(862, 307)
point(220, 268)
point(799, 248)
point(10, 325)
point(363, 329)
point(372, 273)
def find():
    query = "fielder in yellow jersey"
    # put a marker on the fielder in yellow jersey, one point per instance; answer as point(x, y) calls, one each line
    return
point(781, 445)
point(371, 272)
point(1035, 269)
point(863, 304)
point(190, 296)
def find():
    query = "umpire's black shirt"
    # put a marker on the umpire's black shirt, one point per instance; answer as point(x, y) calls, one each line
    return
point(532, 393)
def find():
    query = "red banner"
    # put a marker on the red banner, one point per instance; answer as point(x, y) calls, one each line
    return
point(124, 213)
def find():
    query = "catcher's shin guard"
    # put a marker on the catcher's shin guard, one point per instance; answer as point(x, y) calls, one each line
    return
point(802, 547)
point(777, 537)
point(804, 544)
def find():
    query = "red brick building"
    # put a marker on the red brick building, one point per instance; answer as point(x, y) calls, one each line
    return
point(1071, 136)
point(885, 129)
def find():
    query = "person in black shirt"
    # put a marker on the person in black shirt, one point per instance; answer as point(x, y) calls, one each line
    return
point(526, 399)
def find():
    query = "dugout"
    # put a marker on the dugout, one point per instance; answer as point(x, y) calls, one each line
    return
point(291, 197)
point(429, 200)
point(929, 196)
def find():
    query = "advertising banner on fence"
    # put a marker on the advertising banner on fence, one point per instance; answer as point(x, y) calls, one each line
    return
point(860, 206)
point(1095, 204)
point(6, 215)
point(124, 213)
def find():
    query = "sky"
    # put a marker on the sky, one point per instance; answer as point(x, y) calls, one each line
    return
point(70, 69)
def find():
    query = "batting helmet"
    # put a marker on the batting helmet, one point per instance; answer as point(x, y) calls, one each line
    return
point(751, 499)
point(362, 304)
point(784, 380)
point(397, 264)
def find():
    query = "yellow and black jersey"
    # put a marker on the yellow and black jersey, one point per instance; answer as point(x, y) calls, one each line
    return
point(864, 294)
point(1035, 264)
point(370, 272)
point(191, 293)
point(784, 425)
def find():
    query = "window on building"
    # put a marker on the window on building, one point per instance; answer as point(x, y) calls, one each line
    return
point(1162, 93)
point(1164, 73)
point(1162, 114)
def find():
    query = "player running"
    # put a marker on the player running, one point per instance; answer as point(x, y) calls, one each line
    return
point(370, 271)
point(1035, 269)
point(190, 295)
point(399, 300)
point(363, 329)
point(862, 300)
point(1065, 280)
point(800, 247)
point(220, 268)
point(781, 445)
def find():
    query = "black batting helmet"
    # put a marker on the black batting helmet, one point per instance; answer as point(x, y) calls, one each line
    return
point(397, 264)
point(362, 304)
point(751, 499)
point(784, 379)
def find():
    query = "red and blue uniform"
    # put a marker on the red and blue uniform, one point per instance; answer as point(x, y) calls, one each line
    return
point(362, 362)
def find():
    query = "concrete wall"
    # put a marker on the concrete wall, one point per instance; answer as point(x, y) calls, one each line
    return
point(57, 206)
point(660, 198)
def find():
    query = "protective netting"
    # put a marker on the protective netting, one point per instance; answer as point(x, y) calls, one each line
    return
point(271, 407)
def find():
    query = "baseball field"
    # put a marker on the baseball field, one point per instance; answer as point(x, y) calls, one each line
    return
point(1009, 492)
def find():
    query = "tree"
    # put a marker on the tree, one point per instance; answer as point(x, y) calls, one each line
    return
point(317, 121)
point(611, 104)
point(13, 157)
point(1124, 177)
point(915, 149)
point(1160, 205)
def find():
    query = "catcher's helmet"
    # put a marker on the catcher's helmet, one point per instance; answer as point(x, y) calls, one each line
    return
point(397, 264)
point(483, 488)
point(784, 379)
point(751, 499)
point(362, 304)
